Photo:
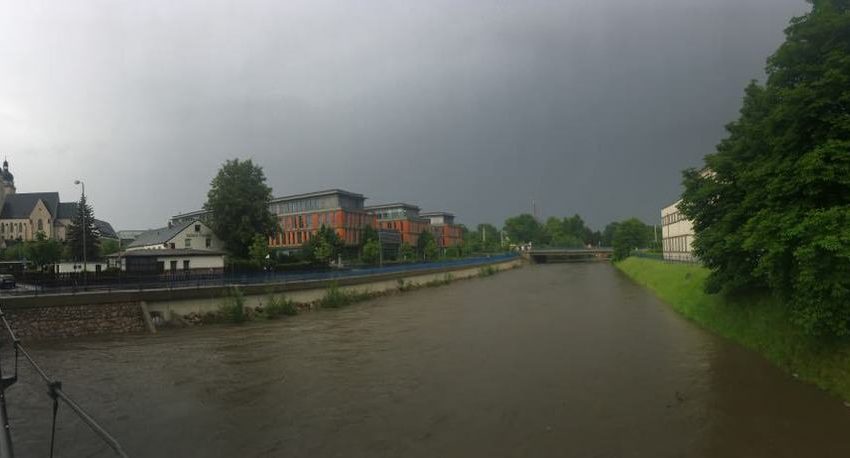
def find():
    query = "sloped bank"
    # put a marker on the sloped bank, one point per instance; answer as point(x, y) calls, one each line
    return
point(755, 321)
point(309, 295)
point(50, 316)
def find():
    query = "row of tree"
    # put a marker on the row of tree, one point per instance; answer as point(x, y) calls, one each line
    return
point(771, 210)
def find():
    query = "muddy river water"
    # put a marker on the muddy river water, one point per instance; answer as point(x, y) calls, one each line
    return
point(570, 360)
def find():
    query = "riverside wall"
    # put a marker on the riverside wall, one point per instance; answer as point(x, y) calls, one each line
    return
point(100, 312)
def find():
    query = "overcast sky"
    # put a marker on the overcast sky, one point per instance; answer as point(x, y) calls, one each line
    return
point(475, 107)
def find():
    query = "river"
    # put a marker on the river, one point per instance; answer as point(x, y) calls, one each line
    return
point(549, 360)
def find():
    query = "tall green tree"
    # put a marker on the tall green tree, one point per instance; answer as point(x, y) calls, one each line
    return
point(426, 238)
point(238, 201)
point(371, 252)
point(524, 229)
point(630, 234)
point(258, 252)
point(323, 247)
point(83, 232)
point(773, 208)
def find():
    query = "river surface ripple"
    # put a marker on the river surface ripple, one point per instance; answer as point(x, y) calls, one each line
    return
point(569, 360)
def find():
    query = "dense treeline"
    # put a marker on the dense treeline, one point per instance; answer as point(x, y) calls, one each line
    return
point(772, 208)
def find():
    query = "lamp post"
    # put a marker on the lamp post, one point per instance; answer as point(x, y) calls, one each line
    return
point(83, 212)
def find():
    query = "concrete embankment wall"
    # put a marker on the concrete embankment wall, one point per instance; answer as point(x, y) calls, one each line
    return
point(101, 312)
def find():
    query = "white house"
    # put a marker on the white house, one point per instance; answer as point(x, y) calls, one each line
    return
point(188, 235)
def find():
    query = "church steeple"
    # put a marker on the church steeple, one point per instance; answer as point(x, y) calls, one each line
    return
point(8, 180)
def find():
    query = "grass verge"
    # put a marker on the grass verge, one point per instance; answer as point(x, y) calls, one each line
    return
point(756, 321)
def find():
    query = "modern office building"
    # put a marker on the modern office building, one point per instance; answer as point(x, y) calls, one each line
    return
point(300, 216)
point(677, 235)
point(402, 217)
point(443, 226)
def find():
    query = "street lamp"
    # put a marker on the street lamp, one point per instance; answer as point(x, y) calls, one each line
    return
point(83, 213)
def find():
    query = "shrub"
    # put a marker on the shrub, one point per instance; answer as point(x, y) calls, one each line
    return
point(278, 306)
point(233, 309)
point(487, 271)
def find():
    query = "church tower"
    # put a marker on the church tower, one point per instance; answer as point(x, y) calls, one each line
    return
point(7, 182)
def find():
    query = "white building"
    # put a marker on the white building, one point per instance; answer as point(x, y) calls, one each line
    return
point(677, 235)
point(170, 261)
point(188, 235)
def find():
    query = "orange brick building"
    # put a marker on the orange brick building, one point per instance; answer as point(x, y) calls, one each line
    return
point(401, 217)
point(443, 226)
point(300, 216)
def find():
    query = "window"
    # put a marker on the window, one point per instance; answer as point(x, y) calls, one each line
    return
point(172, 247)
point(185, 264)
point(208, 242)
point(197, 228)
point(40, 225)
point(173, 265)
point(187, 243)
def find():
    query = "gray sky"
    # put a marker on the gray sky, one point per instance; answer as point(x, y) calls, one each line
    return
point(476, 107)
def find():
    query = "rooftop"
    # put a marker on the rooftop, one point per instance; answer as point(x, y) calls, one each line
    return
point(327, 192)
point(392, 205)
point(161, 235)
point(152, 252)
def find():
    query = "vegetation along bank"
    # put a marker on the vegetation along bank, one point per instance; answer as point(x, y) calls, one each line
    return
point(755, 320)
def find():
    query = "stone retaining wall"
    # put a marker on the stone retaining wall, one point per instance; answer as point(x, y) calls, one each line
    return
point(75, 320)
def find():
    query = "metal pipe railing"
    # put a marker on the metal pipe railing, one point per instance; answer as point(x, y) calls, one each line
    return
point(56, 393)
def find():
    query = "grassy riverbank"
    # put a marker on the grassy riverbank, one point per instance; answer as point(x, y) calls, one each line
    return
point(755, 321)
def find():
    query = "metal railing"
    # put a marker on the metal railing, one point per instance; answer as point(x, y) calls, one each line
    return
point(54, 390)
point(195, 280)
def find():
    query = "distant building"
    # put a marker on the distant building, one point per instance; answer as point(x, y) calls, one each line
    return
point(677, 235)
point(23, 215)
point(443, 226)
point(300, 216)
point(402, 217)
point(171, 261)
point(188, 235)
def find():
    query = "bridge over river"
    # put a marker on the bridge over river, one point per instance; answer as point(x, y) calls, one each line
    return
point(544, 255)
point(551, 360)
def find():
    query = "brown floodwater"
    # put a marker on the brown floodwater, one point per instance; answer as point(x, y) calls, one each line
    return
point(569, 360)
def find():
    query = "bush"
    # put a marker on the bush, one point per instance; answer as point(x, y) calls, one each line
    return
point(487, 271)
point(233, 309)
point(278, 306)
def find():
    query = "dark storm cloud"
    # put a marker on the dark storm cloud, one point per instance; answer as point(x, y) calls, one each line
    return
point(475, 107)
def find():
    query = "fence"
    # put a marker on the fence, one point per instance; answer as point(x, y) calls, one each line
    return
point(113, 282)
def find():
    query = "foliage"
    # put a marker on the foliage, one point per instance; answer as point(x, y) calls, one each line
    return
point(487, 271)
point(755, 320)
point(323, 247)
point(369, 234)
point(371, 252)
point(774, 209)
point(43, 251)
point(426, 246)
point(258, 252)
point(484, 239)
point(406, 252)
point(109, 246)
point(630, 235)
point(15, 251)
point(525, 229)
point(277, 306)
point(233, 309)
point(83, 231)
point(336, 297)
point(238, 202)
point(607, 236)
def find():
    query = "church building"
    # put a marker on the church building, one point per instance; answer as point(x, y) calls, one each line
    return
point(23, 215)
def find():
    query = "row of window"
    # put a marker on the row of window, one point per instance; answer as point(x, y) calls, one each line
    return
point(674, 217)
point(679, 243)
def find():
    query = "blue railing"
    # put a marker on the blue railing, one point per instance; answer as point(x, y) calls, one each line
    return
point(181, 280)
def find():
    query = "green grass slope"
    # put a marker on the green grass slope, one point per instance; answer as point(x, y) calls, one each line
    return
point(756, 321)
